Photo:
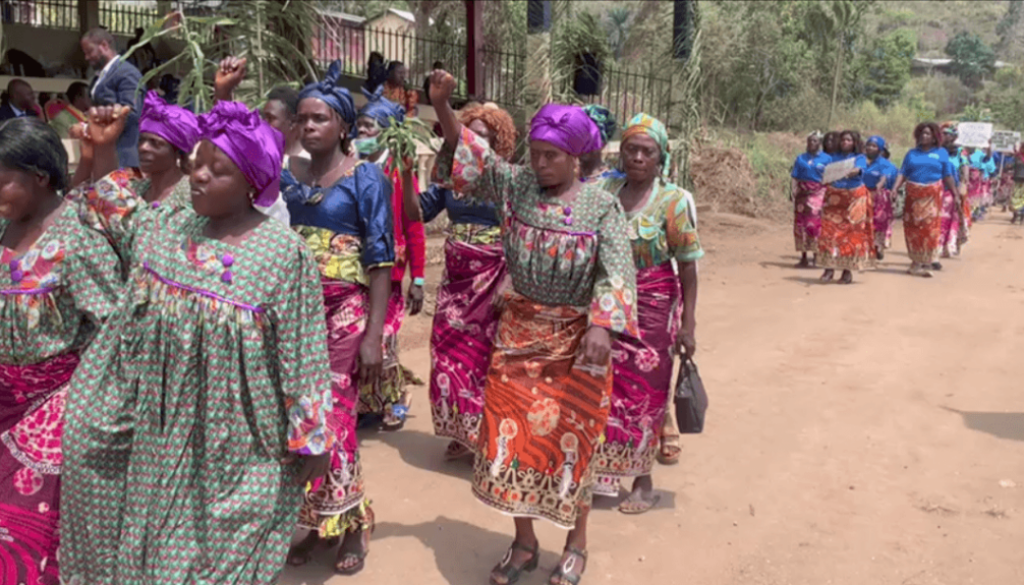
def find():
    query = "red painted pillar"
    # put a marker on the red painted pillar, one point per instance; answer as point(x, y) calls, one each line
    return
point(474, 48)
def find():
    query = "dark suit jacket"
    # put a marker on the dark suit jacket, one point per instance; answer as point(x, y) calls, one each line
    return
point(7, 112)
point(119, 87)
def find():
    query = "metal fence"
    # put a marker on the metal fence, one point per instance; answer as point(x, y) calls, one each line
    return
point(123, 18)
point(52, 14)
point(627, 93)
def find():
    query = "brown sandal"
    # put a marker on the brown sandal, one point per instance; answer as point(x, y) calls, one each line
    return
point(358, 557)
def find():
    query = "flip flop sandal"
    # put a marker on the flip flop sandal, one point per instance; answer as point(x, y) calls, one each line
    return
point(360, 557)
point(563, 573)
point(846, 278)
point(511, 573)
point(637, 504)
point(828, 275)
point(396, 420)
point(669, 450)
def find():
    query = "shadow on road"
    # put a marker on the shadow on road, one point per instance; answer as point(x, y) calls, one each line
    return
point(422, 450)
point(466, 553)
point(1004, 425)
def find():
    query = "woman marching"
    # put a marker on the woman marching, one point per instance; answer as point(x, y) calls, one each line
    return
point(845, 241)
point(207, 387)
point(879, 178)
point(168, 135)
point(465, 319)
point(341, 207)
point(663, 231)
point(955, 208)
point(388, 397)
point(925, 171)
point(808, 194)
point(60, 280)
point(547, 392)
point(592, 166)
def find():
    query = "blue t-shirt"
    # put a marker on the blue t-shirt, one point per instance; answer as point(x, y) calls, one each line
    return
point(984, 163)
point(881, 171)
point(437, 199)
point(810, 167)
point(956, 161)
point(925, 167)
point(860, 162)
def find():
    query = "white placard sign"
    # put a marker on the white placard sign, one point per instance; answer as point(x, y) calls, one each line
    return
point(1005, 140)
point(976, 134)
point(838, 170)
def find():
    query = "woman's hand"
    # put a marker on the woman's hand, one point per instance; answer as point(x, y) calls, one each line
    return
point(230, 74)
point(686, 342)
point(852, 173)
point(313, 466)
point(415, 299)
point(80, 132)
point(442, 85)
point(596, 347)
point(371, 359)
point(106, 123)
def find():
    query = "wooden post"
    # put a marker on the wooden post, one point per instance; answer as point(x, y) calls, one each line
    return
point(88, 16)
point(474, 48)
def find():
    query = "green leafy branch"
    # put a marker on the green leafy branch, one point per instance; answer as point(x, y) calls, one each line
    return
point(401, 139)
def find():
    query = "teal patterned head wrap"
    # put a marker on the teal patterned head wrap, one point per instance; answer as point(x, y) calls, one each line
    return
point(604, 119)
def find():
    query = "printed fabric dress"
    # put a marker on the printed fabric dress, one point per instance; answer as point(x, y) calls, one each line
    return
point(955, 230)
point(114, 204)
point(924, 171)
point(53, 299)
point(347, 228)
point(846, 235)
point(465, 320)
point(410, 245)
point(571, 267)
point(661, 232)
point(809, 199)
point(879, 178)
point(212, 370)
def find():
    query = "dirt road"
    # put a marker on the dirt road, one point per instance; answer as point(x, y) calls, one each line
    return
point(858, 435)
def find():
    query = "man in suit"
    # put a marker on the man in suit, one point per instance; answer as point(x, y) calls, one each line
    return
point(20, 101)
point(116, 82)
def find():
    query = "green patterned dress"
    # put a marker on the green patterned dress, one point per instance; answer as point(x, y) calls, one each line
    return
point(571, 268)
point(211, 371)
point(53, 299)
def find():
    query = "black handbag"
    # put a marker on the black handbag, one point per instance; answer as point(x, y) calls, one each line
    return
point(691, 399)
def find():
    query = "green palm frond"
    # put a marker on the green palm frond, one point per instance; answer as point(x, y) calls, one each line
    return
point(272, 34)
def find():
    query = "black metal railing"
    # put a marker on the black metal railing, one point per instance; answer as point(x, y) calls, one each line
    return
point(503, 74)
point(123, 19)
point(353, 45)
point(627, 93)
point(52, 14)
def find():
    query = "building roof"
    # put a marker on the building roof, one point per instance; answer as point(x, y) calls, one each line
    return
point(403, 14)
point(924, 62)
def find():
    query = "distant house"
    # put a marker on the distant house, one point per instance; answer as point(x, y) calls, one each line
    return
point(391, 35)
point(927, 66)
point(341, 36)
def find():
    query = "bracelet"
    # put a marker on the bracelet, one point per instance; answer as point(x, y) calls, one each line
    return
point(418, 281)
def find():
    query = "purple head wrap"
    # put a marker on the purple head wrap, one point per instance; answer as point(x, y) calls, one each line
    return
point(567, 127)
point(174, 124)
point(251, 143)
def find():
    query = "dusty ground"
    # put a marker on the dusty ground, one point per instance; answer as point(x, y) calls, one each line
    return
point(862, 435)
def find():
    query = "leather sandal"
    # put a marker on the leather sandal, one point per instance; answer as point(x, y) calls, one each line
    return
point(512, 573)
point(565, 573)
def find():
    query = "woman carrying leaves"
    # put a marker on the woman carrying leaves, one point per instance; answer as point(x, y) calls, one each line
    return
point(573, 287)
point(663, 233)
point(59, 281)
point(201, 410)
point(340, 206)
point(378, 118)
point(466, 317)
